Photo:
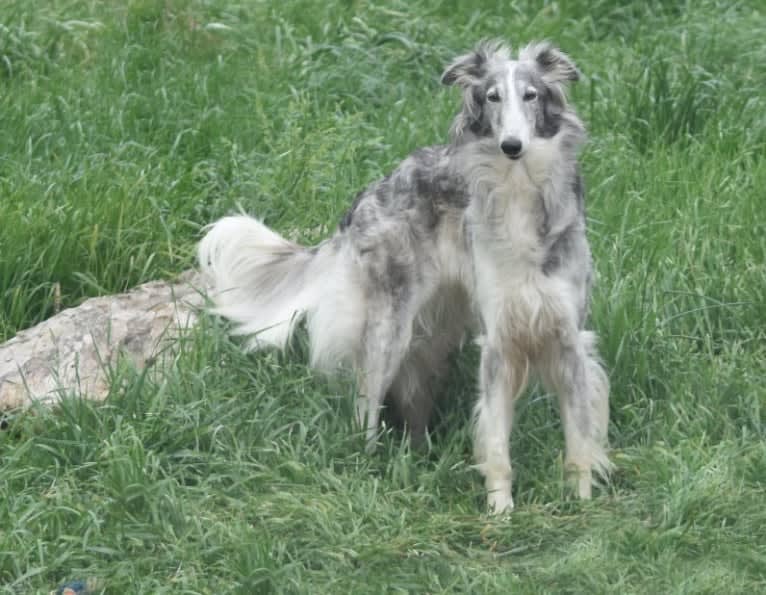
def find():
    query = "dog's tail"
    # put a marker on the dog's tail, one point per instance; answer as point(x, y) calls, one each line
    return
point(265, 284)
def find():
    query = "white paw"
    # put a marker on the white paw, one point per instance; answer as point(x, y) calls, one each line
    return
point(581, 479)
point(371, 445)
point(499, 502)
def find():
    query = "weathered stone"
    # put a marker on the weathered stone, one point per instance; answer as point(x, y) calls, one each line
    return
point(71, 351)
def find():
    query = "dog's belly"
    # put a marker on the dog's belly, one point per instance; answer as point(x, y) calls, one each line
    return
point(536, 309)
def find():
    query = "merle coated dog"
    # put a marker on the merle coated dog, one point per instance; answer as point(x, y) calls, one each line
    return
point(485, 234)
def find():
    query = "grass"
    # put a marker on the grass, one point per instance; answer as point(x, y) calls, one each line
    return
point(125, 127)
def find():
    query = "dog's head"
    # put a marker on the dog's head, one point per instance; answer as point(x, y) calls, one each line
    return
point(511, 101)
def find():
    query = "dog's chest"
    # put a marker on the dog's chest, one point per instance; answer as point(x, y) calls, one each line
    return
point(508, 252)
point(509, 228)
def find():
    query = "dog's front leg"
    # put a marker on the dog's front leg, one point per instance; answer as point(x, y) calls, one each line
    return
point(501, 380)
point(571, 369)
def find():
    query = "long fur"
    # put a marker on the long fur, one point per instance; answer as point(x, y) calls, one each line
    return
point(265, 284)
point(484, 234)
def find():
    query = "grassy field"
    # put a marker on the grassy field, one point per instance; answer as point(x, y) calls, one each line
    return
point(126, 126)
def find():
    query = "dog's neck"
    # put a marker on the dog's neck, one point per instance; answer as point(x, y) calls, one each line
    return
point(539, 185)
point(486, 168)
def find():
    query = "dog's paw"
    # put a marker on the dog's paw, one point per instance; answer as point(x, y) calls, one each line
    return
point(580, 479)
point(371, 445)
point(499, 503)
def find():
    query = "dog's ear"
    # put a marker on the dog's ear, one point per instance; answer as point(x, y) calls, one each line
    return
point(466, 70)
point(469, 69)
point(554, 65)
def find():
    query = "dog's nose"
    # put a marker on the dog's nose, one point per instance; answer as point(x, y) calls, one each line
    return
point(511, 146)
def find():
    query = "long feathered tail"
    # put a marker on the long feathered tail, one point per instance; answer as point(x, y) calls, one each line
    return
point(265, 284)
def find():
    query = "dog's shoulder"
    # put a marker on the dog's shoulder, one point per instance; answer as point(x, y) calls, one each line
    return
point(430, 174)
point(420, 189)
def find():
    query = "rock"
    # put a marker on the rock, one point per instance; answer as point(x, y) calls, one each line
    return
point(71, 351)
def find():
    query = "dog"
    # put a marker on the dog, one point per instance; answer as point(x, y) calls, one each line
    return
point(485, 234)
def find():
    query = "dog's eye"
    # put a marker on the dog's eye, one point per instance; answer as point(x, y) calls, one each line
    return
point(493, 95)
point(530, 94)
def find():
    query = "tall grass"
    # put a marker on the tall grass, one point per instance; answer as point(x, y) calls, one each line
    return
point(125, 128)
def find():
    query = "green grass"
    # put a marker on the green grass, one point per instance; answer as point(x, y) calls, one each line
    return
point(125, 127)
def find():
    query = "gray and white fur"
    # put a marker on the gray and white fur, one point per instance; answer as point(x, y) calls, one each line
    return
point(484, 234)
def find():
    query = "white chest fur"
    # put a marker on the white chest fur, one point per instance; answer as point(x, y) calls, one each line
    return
point(506, 221)
point(506, 216)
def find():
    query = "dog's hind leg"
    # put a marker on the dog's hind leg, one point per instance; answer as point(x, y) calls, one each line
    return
point(438, 330)
point(572, 370)
point(415, 387)
point(502, 378)
point(385, 342)
point(413, 395)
